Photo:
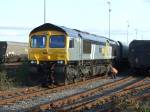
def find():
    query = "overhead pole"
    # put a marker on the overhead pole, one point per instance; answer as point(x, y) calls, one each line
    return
point(128, 31)
point(109, 10)
point(136, 33)
point(44, 11)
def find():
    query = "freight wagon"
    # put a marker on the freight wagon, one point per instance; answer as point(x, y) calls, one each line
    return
point(13, 51)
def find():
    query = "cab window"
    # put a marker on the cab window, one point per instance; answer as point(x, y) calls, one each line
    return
point(57, 41)
point(38, 41)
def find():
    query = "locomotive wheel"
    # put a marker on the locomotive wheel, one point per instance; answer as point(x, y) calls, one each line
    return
point(66, 82)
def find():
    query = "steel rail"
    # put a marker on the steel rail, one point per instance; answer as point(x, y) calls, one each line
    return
point(29, 95)
point(104, 99)
point(71, 99)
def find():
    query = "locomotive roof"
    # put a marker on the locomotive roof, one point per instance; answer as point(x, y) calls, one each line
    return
point(71, 32)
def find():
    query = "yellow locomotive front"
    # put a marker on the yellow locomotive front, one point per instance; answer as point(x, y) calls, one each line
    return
point(48, 46)
point(48, 52)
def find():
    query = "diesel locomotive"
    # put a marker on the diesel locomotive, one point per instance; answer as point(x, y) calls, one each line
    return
point(65, 55)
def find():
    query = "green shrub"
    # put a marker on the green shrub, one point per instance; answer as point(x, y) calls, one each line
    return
point(15, 77)
point(5, 82)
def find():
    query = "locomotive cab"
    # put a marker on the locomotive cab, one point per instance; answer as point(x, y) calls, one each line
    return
point(48, 46)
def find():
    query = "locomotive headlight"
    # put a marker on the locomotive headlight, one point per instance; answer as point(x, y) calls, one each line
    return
point(33, 62)
point(60, 62)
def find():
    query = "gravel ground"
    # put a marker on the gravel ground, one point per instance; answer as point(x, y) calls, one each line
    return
point(20, 106)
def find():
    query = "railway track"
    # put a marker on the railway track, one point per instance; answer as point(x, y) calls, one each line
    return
point(27, 93)
point(133, 100)
point(75, 101)
point(103, 100)
point(19, 92)
point(87, 99)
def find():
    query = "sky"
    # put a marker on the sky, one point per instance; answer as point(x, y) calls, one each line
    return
point(19, 17)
